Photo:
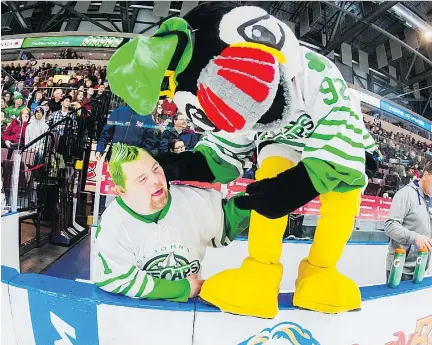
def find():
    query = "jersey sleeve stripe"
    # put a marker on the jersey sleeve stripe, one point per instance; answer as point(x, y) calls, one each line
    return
point(143, 286)
point(118, 278)
point(357, 164)
point(328, 137)
point(337, 147)
point(129, 287)
point(149, 286)
point(222, 155)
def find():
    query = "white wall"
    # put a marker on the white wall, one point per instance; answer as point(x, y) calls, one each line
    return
point(368, 270)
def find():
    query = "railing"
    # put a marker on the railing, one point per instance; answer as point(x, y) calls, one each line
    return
point(26, 184)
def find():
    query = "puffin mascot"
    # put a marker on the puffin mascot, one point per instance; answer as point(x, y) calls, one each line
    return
point(240, 74)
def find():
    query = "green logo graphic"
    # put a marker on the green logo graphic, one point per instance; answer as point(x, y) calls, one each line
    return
point(171, 266)
point(73, 41)
point(301, 128)
point(317, 62)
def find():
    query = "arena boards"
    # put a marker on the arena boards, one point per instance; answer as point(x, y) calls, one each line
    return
point(46, 310)
point(42, 310)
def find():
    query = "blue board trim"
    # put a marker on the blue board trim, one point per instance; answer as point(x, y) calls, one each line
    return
point(245, 238)
point(368, 293)
point(89, 293)
point(9, 214)
point(8, 273)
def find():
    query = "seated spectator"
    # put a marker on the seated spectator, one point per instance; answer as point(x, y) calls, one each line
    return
point(13, 111)
point(8, 98)
point(3, 103)
point(14, 134)
point(3, 121)
point(169, 107)
point(177, 146)
point(179, 131)
point(89, 97)
point(7, 83)
point(55, 102)
point(36, 128)
point(35, 100)
point(46, 108)
point(61, 114)
point(20, 89)
point(126, 126)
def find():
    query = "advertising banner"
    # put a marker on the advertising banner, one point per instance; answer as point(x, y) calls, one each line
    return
point(405, 115)
point(11, 44)
point(371, 208)
point(73, 41)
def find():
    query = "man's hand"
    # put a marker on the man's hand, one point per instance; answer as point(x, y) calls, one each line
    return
point(98, 155)
point(195, 285)
point(8, 143)
point(423, 241)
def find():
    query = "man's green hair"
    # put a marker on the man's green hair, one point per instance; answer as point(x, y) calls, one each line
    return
point(122, 153)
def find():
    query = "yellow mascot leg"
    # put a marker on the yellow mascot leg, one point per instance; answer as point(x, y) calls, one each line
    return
point(319, 285)
point(253, 289)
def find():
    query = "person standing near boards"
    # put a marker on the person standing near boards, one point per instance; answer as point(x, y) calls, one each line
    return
point(409, 222)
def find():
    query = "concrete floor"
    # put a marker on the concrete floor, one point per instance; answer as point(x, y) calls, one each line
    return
point(38, 259)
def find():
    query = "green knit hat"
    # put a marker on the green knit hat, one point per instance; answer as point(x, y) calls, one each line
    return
point(18, 96)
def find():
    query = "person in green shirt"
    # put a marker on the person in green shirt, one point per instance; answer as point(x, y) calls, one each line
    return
point(13, 111)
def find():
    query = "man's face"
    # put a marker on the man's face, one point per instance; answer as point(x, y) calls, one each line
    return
point(90, 91)
point(66, 103)
point(58, 94)
point(427, 183)
point(38, 115)
point(101, 88)
point(20, 85)
point(145, 183)
point(88, 83)
point(181, 122)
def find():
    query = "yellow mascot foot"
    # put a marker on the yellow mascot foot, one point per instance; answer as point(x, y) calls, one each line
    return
point(250, 290)
point(325, 290)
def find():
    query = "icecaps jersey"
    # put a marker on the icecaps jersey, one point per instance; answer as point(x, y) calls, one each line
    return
point(143, 259)
point(325, 124)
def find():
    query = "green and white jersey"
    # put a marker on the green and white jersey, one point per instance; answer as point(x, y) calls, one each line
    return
point(150, 256)
point(325, 126)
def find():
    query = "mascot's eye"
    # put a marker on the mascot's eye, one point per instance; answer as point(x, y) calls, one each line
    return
point(260, 34)
point(270, 33)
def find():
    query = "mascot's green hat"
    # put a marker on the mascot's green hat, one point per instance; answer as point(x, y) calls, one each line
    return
point(137, 69)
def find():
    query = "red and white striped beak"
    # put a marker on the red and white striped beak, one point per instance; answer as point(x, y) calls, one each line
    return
point(249, 70)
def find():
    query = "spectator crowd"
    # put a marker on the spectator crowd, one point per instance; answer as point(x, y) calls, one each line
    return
point(402, 160)
point(36, 97)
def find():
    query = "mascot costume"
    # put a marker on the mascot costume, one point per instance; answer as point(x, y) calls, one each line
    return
point(240, 74)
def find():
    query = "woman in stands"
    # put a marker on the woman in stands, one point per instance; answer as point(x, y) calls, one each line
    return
point(14, 135)
point(36, 127)
point(177, 146)
point(46, 108)
point(8, 99)
point(35, 100)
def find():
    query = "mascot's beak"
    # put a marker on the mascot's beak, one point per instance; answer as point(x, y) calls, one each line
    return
point(276, 53)
point(251, 72)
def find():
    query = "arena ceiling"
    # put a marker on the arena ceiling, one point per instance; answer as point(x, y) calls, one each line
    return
point(364, 26)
